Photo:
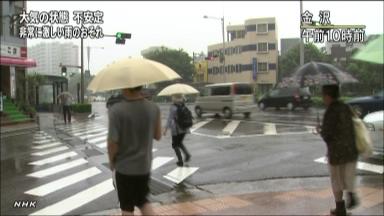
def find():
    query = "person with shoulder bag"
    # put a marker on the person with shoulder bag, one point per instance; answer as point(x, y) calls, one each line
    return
point(338, 132)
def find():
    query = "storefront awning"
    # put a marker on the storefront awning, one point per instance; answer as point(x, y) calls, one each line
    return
point(21, 62)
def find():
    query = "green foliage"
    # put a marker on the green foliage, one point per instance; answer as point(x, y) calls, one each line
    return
point(178, 60)
point(81, 108)
point(370, 76)
point(33, 80)
point(291, 60)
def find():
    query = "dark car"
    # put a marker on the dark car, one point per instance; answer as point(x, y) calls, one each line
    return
point(365, 105)
point(286, 97)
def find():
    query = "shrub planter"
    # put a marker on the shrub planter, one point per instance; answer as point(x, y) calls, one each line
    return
point(81, 108)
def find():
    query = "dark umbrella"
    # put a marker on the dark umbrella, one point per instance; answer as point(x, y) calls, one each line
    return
point(317, 73)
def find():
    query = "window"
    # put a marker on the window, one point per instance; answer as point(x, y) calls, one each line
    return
point(251, 47)
point(262, 67)
point(250, 28)
point(262, 47)
point(262, 28)
point(272, 66)
point(271, 27)
point(271, 46)
point(243, 89)
point(221, 90)
point(209, 70)
point(247, 67)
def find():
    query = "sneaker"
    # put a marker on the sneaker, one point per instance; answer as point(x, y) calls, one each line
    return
point(180, 164)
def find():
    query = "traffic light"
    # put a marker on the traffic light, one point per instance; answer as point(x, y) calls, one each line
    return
point(120, 37)
point(63, 71)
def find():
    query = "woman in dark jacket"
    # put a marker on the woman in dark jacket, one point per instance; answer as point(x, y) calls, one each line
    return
point(338, 133)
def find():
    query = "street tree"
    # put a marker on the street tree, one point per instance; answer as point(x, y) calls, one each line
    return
point(370, 75)
point(291, 60)
point(178, 60)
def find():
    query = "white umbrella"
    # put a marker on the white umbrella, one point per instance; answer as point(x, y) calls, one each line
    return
point(129, 73)
point(178, 88)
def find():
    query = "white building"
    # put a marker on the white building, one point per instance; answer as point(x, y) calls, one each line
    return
point(49, 56)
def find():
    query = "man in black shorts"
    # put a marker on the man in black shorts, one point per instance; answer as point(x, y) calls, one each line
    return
point(133, 124)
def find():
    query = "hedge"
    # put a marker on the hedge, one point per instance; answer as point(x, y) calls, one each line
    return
point(81, 108)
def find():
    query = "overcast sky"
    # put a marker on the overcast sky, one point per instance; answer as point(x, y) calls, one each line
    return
point(181, 24)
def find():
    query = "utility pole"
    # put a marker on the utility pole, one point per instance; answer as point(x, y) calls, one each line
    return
point(223, 30)
point(301, 39)
point(82, 70)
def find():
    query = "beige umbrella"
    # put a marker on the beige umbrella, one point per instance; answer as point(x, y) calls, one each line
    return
point(129, 73)
point(178, 88)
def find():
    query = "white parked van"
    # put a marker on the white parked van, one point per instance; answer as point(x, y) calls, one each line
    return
point(226, 98)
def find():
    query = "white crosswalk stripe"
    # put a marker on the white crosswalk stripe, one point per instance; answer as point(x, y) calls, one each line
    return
point(231, 127)
point(89, 131)
point(54, 158)
point(77, 200)
point(44, 141)
point(64, 160)
point(160, 161)
point(180, 173)
point(49, 145)
point(59, 168)
point(63, 182)
point(360, 165)
point(50, 151)
point(89, 136)
point(98, 140)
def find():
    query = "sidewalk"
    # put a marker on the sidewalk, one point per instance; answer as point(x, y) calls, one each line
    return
point(290, 202)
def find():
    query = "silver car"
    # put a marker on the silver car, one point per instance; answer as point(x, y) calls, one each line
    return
point(374, 122)
point(226, 98)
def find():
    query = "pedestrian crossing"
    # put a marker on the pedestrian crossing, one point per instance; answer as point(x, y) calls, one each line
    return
point(95, 133)
point(60, 168)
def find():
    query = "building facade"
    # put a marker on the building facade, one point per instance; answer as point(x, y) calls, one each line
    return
point(288, 43)
point(49, 56)
point(251, 55)
point(13, 58)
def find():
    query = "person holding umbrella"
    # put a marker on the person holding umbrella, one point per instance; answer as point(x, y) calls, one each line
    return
point(179, 119)
point(338, 133)
point(134, 122)
point(178, 132)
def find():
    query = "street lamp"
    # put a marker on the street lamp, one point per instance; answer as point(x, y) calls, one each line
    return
point(223, 53)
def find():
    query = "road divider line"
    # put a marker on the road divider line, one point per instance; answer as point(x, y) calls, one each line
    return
point(270, 129)
point(231, 127)
point(50, 151)
point(44, 146)
point(160, 161)
point(58, 168)
point(54, 158)
point(360, 165)
point(63, 182)
point(77, 200)
point(200, 124)
point(180, 173)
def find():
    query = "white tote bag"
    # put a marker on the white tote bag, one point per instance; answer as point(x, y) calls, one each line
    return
point(362, 137)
